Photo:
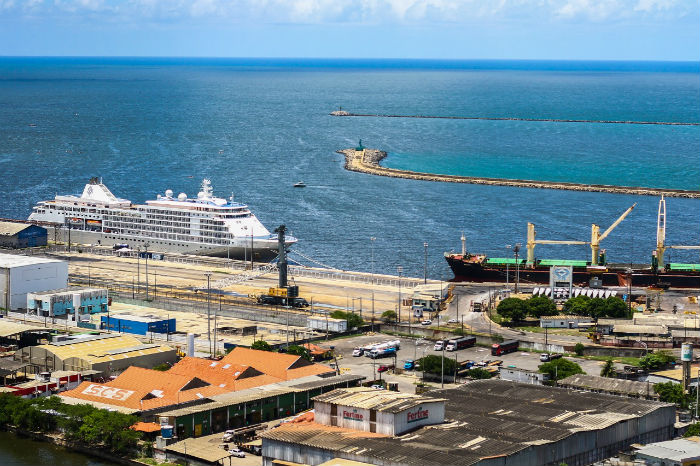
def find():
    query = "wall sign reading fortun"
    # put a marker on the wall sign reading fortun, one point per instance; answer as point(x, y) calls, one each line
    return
point(352, 415)
point(417, 415)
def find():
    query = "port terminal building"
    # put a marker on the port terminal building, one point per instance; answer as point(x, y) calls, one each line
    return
point(22, 235)
point(485, 423)
point(139, 325)
point(20, 275)
point(66, 301)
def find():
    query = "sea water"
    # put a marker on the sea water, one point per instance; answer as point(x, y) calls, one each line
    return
point(257, 126)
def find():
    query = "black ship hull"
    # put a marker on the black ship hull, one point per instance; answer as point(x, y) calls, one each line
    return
point(613, 275)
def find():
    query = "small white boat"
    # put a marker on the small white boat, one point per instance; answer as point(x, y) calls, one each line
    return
point(300, 184)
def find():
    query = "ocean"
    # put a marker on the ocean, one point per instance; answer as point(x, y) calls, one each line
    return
point(257, 126)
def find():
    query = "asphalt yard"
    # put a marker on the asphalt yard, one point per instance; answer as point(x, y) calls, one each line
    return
point(417, 348)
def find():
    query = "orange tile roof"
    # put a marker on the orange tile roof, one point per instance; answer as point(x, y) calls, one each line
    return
point(280, 365)
point(223, 374)
point(146, 427)
point(143, 389)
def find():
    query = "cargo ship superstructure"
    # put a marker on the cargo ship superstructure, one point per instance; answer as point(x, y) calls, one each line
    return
point(529, 270)
point(205, 225)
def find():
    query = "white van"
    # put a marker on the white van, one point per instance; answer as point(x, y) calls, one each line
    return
point(439, 345)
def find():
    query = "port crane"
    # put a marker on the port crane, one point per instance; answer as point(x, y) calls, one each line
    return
point(596, 238)
point(661, 236)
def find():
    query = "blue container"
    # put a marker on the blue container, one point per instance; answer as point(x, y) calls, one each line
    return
point(166, 431)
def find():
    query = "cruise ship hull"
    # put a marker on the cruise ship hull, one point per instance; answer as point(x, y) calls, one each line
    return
point(263, 249)
point(466, 270)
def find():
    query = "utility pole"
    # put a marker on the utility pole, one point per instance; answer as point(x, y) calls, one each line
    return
point(146, 247)
point(507, 271)
point(399, 269)
point(208, 274)
point(425, 263)
point(442, 370)
point(215, 321)
point(138, 269)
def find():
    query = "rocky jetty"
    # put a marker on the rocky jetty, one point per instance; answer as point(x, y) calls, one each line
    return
point(368, 161)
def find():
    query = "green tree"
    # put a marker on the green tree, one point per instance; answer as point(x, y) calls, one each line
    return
point(656, 361)
point(596, 308)
point(560, 369)
point(670, 392)
point(354, 320)
point(433, 365)
point(608, 369)
point(693, 430)
point(578, 306)
point(261, 345)
point(299, 350)
point(478, 373)
point(161, 367)
point(389, 316)
point(615, 308)
point(512, 308)
point(540, 306)
point(579, 348)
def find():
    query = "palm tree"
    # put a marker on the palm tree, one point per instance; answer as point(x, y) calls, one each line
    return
point(608, 369)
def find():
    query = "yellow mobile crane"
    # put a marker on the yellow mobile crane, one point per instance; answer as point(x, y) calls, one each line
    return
point(661, 236)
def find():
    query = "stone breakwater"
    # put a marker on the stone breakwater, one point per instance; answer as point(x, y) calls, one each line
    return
point(368, 161)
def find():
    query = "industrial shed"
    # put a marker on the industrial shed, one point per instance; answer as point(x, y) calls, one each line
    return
point(20, 275)
point(107, 353)
point(489, 423)
point(21, 235)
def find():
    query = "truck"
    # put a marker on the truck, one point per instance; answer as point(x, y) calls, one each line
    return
point(285, 296)
point(457, 344)
point(388, 348)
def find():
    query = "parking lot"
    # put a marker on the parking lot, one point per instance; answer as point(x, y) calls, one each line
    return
point(417, 348)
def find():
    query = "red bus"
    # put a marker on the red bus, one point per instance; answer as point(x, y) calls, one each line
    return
point(510, 346)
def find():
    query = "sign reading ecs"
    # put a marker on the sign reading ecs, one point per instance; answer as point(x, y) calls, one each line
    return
point(417, 415)
point(104, 391)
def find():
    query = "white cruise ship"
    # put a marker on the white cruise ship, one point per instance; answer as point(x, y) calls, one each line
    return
point(206, 225)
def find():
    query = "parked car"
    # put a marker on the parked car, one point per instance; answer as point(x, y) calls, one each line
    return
point(546, 357)
point(439, 345)
point(453, 321)
point(237, 453)
point(228, 436)
point(385, 367)
point(358, 352)
point(409, 364)
point(426, 322)
point(378, 387)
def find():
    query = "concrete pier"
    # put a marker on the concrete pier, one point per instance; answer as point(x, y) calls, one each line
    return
point(368, 161)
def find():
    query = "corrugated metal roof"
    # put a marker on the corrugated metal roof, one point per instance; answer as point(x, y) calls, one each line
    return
point(8, 328)
point(14, 260)
point(369, 398)
point(680, 450)
point(12, 228)
point(619, 386)
point(641, 329)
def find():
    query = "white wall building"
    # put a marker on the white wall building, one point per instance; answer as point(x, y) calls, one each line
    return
point(565, 321)
point(380, 411)
point(20, 275)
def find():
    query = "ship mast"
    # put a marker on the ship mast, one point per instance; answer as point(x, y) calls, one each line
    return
point(661, 233)
point(464, 245)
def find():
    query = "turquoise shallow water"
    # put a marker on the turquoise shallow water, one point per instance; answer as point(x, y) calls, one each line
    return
point(255, 127)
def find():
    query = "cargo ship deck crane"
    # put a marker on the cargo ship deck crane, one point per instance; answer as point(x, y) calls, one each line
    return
point(596, 237)
point(532, 242)
point(661, 236)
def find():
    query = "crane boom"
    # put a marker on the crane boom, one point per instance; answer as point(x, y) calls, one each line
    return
point(596, 237)
point(617, 222)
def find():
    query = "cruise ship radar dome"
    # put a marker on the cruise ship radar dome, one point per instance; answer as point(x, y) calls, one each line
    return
point(201, 195)
point(168, 193)
point(182, 197)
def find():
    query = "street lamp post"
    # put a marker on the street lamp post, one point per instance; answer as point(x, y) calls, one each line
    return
point(507, 271)
point(425, 263)
point(372, 239)
point(516, 250)
point(146, 257)
point(208, 274)
point(399, 269)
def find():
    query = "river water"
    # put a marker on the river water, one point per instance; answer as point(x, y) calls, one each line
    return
point(21, 451)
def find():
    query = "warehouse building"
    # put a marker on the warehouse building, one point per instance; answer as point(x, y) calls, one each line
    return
point(21, 235)
point(677, 452)
point(106, 353)
point(65, 301)
point(20, 275)
point(487, 423)
point(139, 325)
point(622, 387)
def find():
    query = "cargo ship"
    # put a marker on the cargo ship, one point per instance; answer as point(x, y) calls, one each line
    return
point(469, 267)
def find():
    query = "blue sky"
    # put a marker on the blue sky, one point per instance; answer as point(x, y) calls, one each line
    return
point(461, 29)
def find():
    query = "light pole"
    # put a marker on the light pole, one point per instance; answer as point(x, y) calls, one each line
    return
point(425, 263)
point(516, 250)
point(629, 292)
point(399, 269)
point(507, 271)
point(146, 247)
point(208, 274)
point(371, 242)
